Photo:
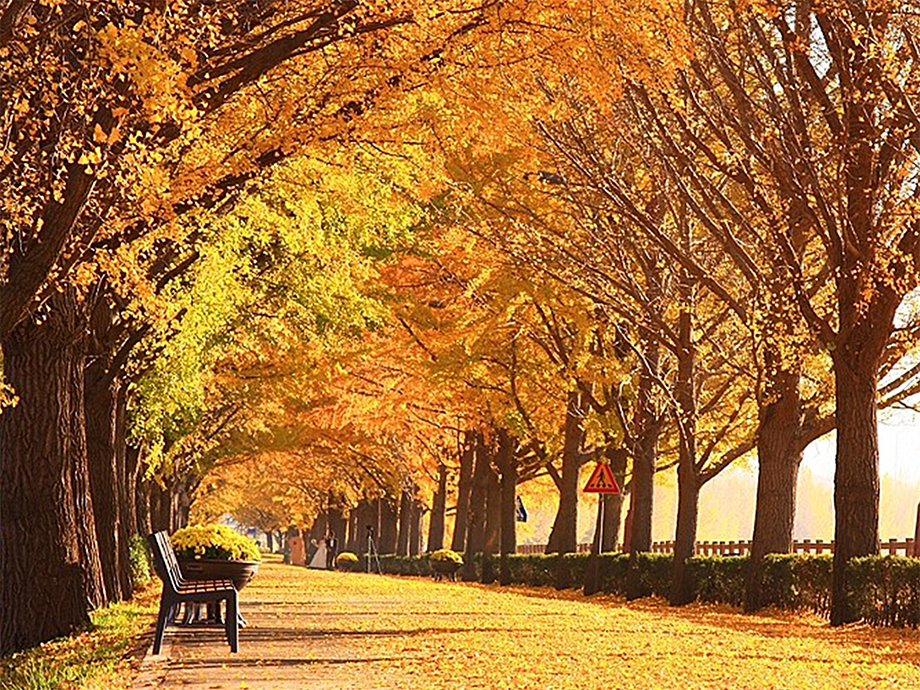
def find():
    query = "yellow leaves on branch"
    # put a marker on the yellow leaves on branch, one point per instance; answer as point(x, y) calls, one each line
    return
point(158, 80)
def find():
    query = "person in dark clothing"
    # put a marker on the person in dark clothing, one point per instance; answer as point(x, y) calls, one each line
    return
point(331, 549)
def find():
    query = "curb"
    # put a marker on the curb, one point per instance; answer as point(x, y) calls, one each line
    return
point(152, 670)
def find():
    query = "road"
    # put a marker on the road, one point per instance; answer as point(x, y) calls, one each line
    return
point(313, 630)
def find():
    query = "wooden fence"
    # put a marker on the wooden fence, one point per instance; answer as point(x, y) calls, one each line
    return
point(892, 547)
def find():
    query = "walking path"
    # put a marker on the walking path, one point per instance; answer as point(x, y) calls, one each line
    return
point(313, 630)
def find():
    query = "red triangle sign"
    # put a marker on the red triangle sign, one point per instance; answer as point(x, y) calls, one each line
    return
point(602, 481)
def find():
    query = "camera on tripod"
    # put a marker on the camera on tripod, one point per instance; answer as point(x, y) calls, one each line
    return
point(372, 550)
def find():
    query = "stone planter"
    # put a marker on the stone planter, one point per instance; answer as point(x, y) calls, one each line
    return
point(448, 569)
point(241, 572)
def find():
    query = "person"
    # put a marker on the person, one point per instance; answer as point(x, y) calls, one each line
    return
point(319, 556)
point(331, 548)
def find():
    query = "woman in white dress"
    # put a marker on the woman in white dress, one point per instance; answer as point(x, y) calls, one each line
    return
point(319, 556)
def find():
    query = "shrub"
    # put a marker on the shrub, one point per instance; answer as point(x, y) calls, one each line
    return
point(654, 573)
point(571, 569)
point(798, 581)
point(138, 561)
point(214, 541)
point(535, 570)
point(613, 569)
point(885, 590)
point(718, 579)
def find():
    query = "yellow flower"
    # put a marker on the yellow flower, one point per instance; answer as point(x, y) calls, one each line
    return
point(214, 541)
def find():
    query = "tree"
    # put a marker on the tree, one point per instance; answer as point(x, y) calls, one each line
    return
point(122, 117)
point(817, 208)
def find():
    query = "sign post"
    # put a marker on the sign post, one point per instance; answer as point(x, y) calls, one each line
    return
point(602, 483)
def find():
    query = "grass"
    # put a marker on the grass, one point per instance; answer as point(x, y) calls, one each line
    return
point(92, 659)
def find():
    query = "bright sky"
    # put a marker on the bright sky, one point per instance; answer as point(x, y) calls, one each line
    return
point(899, 449)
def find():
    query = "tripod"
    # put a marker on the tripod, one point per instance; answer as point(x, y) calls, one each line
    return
point(372, 550)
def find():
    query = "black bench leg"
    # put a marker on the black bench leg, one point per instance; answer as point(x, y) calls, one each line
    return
point(215, 608)
point(232, 622)
point(166, 610)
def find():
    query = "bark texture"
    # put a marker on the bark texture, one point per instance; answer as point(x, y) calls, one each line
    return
point(438, 506)
point(491, 542)
point(405, 521)
point(458, 540)
point(477, 515)
point(101, 412)
point(507, 461)
point(388, 526)
point(688, 480)
point(50, 574)
point(645, 458)
point(856, 480)
point(562, 538)
point(415, 528)
point(779, 457)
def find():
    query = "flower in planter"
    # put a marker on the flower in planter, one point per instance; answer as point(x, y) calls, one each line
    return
point(445, 556)
point(213, 542)
point(346, 560)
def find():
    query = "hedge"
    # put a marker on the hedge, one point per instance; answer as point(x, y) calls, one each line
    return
point(884, 590)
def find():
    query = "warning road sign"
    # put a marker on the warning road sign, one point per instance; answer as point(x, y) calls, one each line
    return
point(602, 481)
point(520, 513)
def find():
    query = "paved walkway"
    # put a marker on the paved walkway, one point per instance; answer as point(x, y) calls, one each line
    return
point(321, 630)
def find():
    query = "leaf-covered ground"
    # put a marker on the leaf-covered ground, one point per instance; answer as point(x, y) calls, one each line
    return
point(100, 657)
point(312, 629)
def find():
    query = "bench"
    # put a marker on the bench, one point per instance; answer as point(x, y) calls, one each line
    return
point(177, 590)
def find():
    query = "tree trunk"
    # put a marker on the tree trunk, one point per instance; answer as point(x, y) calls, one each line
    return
point(592, 569)
point(415, 527)
point(144, 488)
point(100, 401)
point(132, 491)
point(183, 502)
point(337, 524)
point(175, 516)
point(125, 489)
point(389, 526)
point(563, 537)
point(50, 574)
point(779, 457)
point(405, 521)
point(321, 525)
point(508, 465)
point(155, 501)
point(161, 506)
point(617, 457)
point(352, 543)
point(458, 542)
point(688, 481)
point(491, 542)
point(645, 458)
point(477, 517)
point(438, 505)
point(688, 498)
point(856, 481)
